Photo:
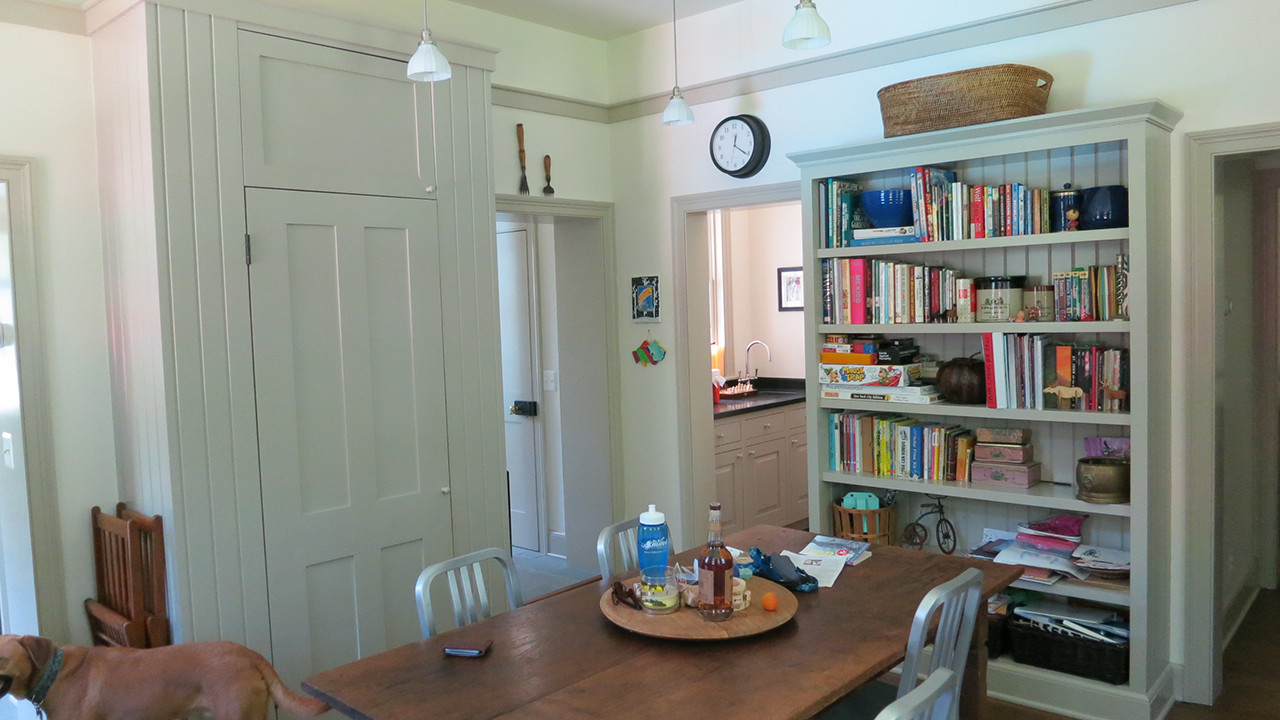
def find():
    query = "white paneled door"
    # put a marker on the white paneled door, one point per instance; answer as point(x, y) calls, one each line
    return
point(517, 305)
point(348, 366)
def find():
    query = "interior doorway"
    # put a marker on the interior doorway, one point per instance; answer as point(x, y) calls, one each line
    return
point(30, 568)
point(691, 227)
point(1233, 313)
point(560, 324)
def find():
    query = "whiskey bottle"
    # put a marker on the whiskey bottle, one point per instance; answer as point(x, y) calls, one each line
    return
point(715, 573)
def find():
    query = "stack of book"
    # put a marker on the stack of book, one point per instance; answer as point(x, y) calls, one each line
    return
point(1097, 292)
point(1039, 372)
point(870, 367)
point(858, 291)
point(894, 446)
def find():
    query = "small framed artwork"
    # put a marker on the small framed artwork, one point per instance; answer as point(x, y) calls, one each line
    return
point(790, 289)
point(644, 299)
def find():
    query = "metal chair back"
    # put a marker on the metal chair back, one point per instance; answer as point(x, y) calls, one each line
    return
point(955, 603)
point(467, 590)
point(933, 699)
point(616, 548)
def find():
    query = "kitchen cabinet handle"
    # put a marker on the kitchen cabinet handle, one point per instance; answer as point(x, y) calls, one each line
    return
point(720, 435)
point(445, 490)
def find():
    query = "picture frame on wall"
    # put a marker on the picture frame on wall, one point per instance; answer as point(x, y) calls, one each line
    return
point(645, 305)
point(790, 289)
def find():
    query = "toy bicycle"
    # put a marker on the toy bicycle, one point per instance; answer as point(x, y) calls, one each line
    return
point(915, 535)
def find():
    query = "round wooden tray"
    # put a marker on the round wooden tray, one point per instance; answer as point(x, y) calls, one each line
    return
point(687, 624)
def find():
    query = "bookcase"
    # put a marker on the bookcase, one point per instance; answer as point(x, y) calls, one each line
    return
point(1120, 145)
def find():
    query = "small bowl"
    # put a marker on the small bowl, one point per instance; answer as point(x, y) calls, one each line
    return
point(888, 208)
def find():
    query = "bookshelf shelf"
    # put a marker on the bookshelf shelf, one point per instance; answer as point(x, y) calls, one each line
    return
point(1110, 326)
point(1080, 417)
point(1016, 241)
point(1044, 495)
point(1124, 145)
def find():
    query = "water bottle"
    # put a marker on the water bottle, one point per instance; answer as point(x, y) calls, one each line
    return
point(653, 539)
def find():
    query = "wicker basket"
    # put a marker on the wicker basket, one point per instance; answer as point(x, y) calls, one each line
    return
point(1082, 657)
point(965, 97)
point(873, 526)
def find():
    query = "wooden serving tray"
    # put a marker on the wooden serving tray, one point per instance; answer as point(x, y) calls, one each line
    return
point(687, 624)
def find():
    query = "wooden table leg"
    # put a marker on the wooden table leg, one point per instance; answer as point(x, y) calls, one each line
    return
point(973, 688)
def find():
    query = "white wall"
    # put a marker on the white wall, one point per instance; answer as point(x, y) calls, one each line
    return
point(46, 92)
point(761, 240)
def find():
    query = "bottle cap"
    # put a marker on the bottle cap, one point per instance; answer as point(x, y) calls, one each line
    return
point(652, 517)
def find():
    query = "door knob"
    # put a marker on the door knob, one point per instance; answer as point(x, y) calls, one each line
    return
point(445, 490)
point(527, 408)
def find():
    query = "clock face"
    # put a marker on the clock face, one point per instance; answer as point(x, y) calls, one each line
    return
point(740, 145)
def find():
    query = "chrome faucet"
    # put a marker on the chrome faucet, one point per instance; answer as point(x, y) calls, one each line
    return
point(753, 343)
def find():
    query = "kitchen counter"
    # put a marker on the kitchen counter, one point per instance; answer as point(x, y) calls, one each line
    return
point(772, 393)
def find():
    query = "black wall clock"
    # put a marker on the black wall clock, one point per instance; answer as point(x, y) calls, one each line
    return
point(740, 145)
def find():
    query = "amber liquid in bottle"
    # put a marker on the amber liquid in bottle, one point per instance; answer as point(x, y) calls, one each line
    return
point(715, 573)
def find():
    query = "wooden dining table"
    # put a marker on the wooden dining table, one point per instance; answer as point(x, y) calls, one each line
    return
point(559, 657)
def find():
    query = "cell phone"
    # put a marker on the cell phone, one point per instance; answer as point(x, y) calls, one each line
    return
point(474, 648)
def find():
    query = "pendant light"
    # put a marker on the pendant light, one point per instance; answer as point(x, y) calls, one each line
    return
point(807, 30)
point(428, 64)
point(678, 111)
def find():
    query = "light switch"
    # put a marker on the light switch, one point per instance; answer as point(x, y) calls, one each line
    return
point(550, 380)
point(6, 444)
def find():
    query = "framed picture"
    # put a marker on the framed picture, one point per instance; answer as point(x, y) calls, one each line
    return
point(644, 299)
point(790, 289)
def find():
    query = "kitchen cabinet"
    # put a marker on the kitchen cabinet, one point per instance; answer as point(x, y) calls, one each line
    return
point(761, 468)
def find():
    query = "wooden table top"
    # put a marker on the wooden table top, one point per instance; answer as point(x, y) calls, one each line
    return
point(561, 658)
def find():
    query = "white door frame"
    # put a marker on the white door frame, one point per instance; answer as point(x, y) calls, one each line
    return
point(1201, 256)
point(46, 542)
point(694, 416)
point(557, 207)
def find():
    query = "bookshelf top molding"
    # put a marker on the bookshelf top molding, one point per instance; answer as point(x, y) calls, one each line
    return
point(1153, 112)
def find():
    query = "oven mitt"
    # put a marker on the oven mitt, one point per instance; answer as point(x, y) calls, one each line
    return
point(781, 570)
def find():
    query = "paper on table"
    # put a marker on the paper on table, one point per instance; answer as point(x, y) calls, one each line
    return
point(824, 568)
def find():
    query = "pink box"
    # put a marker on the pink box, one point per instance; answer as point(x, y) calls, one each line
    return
point(1000, 452)
point(1019, 475)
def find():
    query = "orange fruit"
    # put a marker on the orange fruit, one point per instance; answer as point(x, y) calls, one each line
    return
point(769, 601)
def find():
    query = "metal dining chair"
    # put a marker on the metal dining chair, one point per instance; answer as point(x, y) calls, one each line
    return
point(933, 699)
point(467, 590)
point(618, 541)
point(955, 603)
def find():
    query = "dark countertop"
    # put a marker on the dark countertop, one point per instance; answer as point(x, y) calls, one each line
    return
point(772, 393)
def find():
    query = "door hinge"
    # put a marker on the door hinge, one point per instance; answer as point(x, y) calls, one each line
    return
point(248, 251)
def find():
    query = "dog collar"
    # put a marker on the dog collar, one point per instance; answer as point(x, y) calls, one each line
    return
point(47, 678)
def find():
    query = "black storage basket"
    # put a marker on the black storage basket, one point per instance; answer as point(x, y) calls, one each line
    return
point(997, 635)
point(1083, 657)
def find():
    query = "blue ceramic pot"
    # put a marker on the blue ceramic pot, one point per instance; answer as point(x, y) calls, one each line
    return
point(1104, 207)
point(887, 208)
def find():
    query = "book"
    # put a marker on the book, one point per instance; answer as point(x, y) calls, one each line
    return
point(883, 240)
point(864, 233)
point(1107, 446)
point(871, 393)
point(853, 551)
point(903, 390)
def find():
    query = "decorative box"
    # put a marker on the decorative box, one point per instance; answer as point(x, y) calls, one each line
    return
point(888, 375)
point(1005, 474)
point(1001, 452)
point(1012, 436)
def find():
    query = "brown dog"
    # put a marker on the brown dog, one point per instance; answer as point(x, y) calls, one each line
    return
point(99, 683)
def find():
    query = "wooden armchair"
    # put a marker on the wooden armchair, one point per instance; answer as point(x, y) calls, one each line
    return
point(130, 610)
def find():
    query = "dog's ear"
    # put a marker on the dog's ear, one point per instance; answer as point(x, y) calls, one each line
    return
point(6, 682)
point(39, 649)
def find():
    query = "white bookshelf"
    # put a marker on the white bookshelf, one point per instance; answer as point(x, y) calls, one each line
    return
point(1124, 145)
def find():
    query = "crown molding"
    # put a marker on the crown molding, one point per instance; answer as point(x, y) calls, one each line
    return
point(59, 18)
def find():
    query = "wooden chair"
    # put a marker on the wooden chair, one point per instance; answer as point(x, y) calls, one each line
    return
point(130, 608)
point(466, 588)
point(618, 542)
point(933, 699)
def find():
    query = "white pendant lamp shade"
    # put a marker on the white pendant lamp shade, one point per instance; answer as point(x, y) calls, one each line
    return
point(428, 64)
point(807, 30)
point(678, 111)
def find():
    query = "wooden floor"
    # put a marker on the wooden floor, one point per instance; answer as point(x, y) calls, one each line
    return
point(1250, 687)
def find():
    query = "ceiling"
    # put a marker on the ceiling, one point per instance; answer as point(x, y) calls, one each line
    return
point(600, 19)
